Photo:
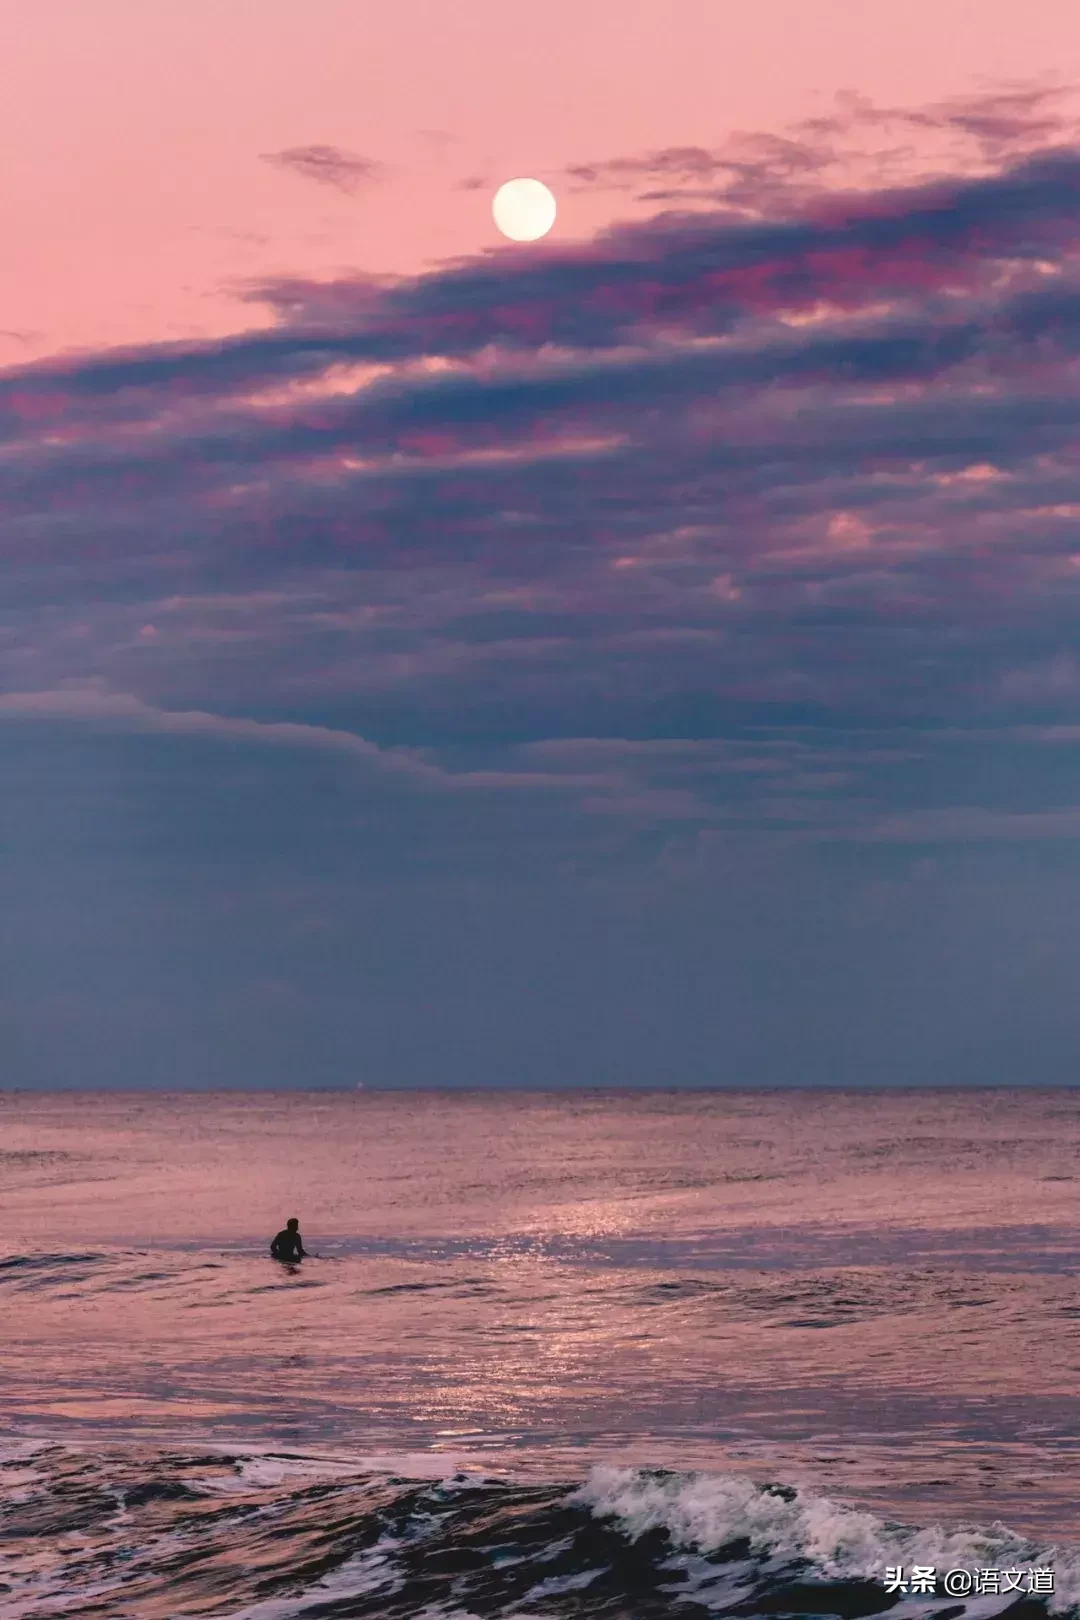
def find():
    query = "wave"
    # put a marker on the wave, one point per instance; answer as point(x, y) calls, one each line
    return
point(278, 1536)
point(712, 1514)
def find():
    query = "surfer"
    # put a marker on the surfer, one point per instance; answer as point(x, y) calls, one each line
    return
point(288, 1244)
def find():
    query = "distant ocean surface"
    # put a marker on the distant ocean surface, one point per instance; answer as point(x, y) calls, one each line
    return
point(591, 1355)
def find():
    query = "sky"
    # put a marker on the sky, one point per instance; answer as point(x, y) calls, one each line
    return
point(644, 657)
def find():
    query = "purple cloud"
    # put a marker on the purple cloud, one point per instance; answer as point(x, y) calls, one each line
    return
point(702, 474)
point(327, 166)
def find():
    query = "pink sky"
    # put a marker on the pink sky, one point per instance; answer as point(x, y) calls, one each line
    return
point(133, 190)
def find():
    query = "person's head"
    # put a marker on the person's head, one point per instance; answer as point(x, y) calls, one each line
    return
point(292, 1223)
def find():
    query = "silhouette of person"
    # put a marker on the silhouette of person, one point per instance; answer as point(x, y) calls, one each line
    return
point(288, 1244)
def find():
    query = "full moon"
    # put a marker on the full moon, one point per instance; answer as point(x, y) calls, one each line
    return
point(524, 210)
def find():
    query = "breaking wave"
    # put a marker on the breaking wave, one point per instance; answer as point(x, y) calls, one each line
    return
point(273, 1536)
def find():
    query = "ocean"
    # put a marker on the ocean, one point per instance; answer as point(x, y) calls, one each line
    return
point(553, 1354)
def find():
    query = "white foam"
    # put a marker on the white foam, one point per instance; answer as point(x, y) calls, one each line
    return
point(369, 1571)
point(708, 1511)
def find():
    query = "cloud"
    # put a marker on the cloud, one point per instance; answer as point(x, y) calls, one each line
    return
point(761, 166)
point(92, 704)
point(969, 824)
point(704, 474)
point(327, 166)
point(938, 252)
point(1011, 118)
point(767, 172)
point(1054, 677)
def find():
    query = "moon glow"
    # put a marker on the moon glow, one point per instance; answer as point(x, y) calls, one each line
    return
point(524, 210)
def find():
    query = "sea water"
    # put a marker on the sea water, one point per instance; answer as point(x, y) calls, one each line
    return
point(581, 1354)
